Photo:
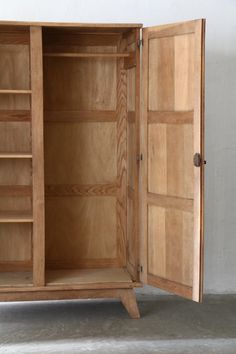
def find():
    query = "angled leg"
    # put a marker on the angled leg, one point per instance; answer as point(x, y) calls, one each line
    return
point(128, 300)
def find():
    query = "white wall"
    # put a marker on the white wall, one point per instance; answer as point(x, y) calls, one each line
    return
point(220, 230)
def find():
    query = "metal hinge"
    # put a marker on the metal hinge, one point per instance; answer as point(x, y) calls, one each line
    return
point(140, 268)
point(140, 43)
point(139, 157)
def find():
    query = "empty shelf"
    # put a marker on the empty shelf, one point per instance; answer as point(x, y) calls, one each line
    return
point(15, 155)
point(15, 92)
point(15, 216)
point(87, 276)
point(16, 279)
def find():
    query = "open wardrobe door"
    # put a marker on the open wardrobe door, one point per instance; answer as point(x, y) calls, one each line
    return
point(173, 161)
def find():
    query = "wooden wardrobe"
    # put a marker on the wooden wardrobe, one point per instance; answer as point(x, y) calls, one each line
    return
point(101, 160)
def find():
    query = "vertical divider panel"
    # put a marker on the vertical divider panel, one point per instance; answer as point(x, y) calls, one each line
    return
point(121, 112)
point(36, 67)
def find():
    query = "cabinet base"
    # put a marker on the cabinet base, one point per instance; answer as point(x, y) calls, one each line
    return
point(127, 296)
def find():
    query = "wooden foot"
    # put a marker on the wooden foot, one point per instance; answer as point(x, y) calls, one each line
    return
point(128, 300)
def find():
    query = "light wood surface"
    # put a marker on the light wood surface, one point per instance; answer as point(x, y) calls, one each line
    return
point(88, 55)
point(14, 115)
point(110, 26)
point(16, 279)
point(15, 155)
point(38, 155)
point(133, 103)
point(15, 216)
point(80, 276)
point(79, 116)
point(121, 206)
point(87, 224)
point(171, 114)
point(16, 243)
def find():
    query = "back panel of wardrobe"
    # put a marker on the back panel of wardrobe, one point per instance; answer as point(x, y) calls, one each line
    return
point(85, 151)
point(15, 148)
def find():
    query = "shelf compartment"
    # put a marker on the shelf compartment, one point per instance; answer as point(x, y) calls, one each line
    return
point(15, 155)
point(88, 55)
point(16, 92)
point(16, 279)
point(15, 217)
point(87, 276)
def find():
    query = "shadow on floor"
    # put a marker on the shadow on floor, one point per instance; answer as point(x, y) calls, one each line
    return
point(167, 325)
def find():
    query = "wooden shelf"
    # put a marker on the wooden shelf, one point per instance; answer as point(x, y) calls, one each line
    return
point(15, 155)
point(88, 55)
point(16, 279)
point(87, 276)
point(15, 217)
point(15, 92)
point(15, 115)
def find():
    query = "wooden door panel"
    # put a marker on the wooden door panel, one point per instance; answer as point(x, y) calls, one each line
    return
point(172, 186)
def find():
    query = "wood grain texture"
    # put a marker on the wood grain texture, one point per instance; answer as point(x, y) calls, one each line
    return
point(128, 299)
point(87, 224)
point(133, 105)
point(15, 137)
point(89, 84)
point(16, 279)
point(16, 191)
point(79, 116)
point(121, 163)
point(88, 55)
point(171, 71)
point(15, 172)
point(81, 190)
point(15, 240)
point(12, 34)
point(14, 66)
point(38, 155)
point(170, 117)
point(15, 115)
point(88, 276)
point(89, 153)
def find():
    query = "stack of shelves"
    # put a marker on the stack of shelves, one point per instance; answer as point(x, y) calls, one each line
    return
point(17, 165)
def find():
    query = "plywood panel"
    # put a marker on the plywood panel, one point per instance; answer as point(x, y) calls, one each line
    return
point(15, 242)
point(184, 72)
point(131, 240)
point(157, 159)
point(170, 244)
point(87, 150)
point(131, 154)
point(16, 279)
point(161, 74)
point(15, 203)
point(131, 92)
point(15, 137)
point(85, 276)
point(156, 241)
point(15, 172)
point(170, 154)
point(82, 84)
point(80, 228)
point(14, 66)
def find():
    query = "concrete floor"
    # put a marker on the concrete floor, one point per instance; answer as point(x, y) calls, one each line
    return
point(168, 325)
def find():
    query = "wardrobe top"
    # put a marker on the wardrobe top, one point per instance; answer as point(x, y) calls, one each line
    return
point(118, 26)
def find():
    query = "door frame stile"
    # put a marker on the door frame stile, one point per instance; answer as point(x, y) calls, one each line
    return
point(38, 202)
